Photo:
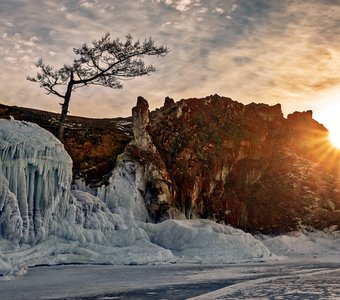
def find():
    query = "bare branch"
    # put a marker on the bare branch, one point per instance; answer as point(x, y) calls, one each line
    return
point(104, 63)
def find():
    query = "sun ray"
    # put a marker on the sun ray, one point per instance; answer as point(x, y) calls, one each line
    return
point(334, 138)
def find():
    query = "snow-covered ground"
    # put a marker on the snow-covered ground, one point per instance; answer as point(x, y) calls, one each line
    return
point(302, 265)
point(288, 279)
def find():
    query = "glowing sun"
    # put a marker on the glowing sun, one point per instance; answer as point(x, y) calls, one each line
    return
point(328, 114)
point(334, 137)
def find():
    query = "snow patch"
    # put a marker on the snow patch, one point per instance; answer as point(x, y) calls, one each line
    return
point(206, 241)
point(306, 243)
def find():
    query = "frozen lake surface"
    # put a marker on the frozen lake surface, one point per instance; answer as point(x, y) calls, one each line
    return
point(289, 279)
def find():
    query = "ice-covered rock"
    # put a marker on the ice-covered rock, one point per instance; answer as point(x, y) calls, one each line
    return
point(36, 199)
point(88, 220)
point(10, 219)
point(125, 191)
point(43, 221)
point(157, 187)
point(38, 172)
point(139, 184)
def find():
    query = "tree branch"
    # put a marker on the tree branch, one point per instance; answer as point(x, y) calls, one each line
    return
point(105, 63)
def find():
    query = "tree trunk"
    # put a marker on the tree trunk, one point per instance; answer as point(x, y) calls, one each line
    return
point(64, 109)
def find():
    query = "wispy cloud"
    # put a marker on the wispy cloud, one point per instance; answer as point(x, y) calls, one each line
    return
point(260, 50)
point(288, 59)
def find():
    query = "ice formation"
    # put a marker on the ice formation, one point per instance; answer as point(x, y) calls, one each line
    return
point(206, 241)
point(124, 193)
point(43, 221)
point(35, 173)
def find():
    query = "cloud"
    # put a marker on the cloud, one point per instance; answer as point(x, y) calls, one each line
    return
point(218, 10)
point(86, 4)
point(10, 59)
point(183, 5)
point(259, 50)
point(288, 56)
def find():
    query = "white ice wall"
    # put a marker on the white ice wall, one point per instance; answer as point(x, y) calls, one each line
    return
point(11, 224)
point(43, 221)
point(36, 199)
point(38, 171)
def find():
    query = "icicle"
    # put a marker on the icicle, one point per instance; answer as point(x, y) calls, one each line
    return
point(39, 173)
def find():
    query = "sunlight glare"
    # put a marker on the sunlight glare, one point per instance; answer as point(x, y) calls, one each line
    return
point(334, 138)
point(329, 116)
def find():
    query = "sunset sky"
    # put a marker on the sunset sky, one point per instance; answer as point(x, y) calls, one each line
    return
point(269, 51)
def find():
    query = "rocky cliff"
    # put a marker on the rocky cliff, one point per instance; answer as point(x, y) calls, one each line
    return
point(245, 165)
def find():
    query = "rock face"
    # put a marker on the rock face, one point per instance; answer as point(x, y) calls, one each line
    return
point(215, 158)
point(140, 178)
point(245, 165)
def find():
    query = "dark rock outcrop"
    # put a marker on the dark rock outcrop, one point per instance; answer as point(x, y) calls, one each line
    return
point(158, 196)
point(245, 165)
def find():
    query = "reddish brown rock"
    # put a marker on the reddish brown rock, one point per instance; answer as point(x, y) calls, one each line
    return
point(157, 190)
point(93, 144)
point(242, 164)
